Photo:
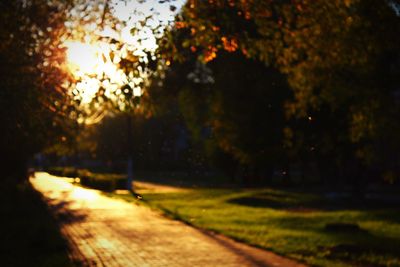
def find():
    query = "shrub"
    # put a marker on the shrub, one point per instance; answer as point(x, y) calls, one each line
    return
point(70, 172)
point(105, 182)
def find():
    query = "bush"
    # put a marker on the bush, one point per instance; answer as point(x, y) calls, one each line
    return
point(70, 172)
point(105, 182)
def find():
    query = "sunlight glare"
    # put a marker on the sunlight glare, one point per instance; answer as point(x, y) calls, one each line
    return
point(82, 58)
point(85, 194)
point(95, 63)
point(87, 89)
point(89, 64)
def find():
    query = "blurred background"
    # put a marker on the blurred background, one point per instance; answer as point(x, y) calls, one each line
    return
point(293, 104)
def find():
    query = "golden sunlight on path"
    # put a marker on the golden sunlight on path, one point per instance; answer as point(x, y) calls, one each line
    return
point(107, 232)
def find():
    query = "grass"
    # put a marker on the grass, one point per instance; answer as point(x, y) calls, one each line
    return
point(290, 223)
point(29, 235)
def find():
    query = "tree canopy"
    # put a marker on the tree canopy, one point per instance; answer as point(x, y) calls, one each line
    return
point(45, 95)
point(31, 78)
point(341, 60)
point(258, 80)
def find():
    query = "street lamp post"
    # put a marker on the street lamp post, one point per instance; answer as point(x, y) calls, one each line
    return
point(129, 185)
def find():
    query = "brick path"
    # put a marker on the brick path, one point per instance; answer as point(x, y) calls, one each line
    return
point(108, 232)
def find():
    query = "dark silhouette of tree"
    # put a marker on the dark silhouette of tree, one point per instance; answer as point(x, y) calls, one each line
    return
point(33, 105)
point(234, 109)
point(341, 61)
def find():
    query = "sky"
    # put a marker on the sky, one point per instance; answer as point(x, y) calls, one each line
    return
point(89, 59)
point(133, 11)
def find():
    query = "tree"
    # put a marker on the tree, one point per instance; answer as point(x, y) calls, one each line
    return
point(30, 81)
point(341, 61)
point(234, 107)
point(41, 101)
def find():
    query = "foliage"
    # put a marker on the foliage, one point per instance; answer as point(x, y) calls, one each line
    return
point(40, 100)
point(69, 172)
point(125, 61)
point(230, 121)
point(340, 58)
point(159, 142)
point(33, 106)
point(106, 182)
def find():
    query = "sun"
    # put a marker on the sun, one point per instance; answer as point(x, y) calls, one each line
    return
point(82, 58)
point(103, 59)
point(83, 61)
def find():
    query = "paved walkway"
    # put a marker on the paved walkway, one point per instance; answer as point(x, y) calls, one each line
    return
point(109, 232)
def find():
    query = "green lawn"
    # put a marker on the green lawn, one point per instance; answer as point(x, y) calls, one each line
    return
point(291, 224)
point(29, 235)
